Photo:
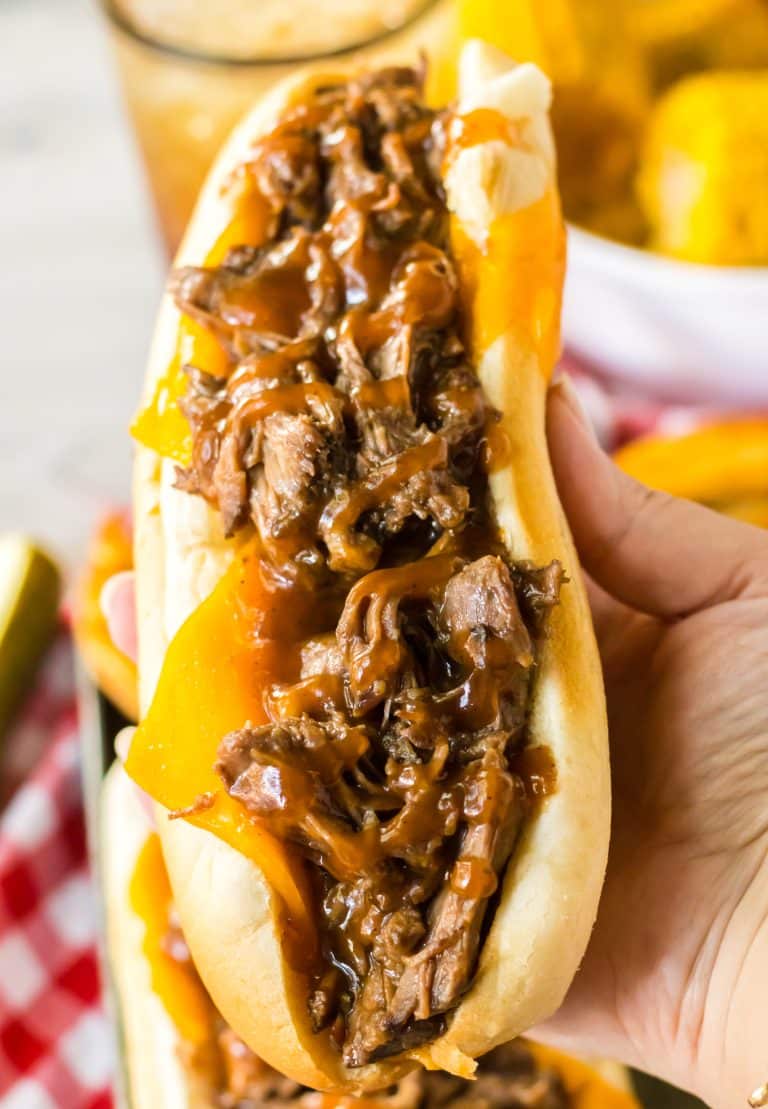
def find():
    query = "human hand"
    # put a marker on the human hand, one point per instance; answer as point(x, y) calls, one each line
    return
point(675, 977)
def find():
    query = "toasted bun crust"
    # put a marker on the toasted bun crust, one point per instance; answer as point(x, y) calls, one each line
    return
point(552, 884)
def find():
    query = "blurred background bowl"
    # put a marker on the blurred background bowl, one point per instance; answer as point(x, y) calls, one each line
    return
point(680, 329)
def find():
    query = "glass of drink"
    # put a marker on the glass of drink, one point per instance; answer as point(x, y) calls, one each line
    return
point(190, 70)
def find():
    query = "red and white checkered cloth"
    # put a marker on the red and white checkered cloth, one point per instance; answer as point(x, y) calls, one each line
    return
point(56, 1049)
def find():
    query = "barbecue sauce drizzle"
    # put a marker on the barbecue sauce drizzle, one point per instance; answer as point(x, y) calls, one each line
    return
point(395, 759)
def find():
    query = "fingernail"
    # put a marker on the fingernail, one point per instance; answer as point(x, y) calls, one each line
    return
point(566, 391)
point(123, 742)
point(112, 588)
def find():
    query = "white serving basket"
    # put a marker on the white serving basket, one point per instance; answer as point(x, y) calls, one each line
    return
point(684, 331)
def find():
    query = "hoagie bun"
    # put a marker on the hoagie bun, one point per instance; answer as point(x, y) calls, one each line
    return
point(161, 1012)
point(515, 839)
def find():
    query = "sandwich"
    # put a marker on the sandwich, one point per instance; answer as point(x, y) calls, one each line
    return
point(372, 716)
point(177, 1052)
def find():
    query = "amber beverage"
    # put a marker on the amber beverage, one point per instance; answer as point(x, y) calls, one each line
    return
point(190, 70)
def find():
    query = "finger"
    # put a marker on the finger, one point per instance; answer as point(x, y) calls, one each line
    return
point(123, 741)
point(608, 614)
point(118, 603)
point(657, 553)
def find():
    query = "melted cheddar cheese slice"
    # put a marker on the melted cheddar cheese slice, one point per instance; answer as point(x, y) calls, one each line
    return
point(160, 425)
point(215, 672)
point(180, 990)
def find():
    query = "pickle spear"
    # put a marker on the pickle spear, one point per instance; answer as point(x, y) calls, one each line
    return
point(30, 586)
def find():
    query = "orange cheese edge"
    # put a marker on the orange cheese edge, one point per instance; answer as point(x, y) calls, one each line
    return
point(211, 683)
point(507, 286)
point(585, 1085)
point(183, 996)
point(160, 424)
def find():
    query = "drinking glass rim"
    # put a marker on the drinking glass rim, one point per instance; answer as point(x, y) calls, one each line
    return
point(124, 24)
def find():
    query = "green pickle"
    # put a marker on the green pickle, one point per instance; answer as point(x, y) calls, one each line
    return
point(30, 587)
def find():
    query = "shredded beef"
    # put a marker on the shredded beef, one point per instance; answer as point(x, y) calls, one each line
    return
point(508, 1077)
point(294, 458)
point(386, 805)
point(288, 174)
point(278, 454)
point(481, 618)
point(539, 589)
point(247, 1081)
point(348, 431)
point(355, 262)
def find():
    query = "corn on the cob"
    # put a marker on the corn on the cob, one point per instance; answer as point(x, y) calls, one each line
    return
point(704, 182)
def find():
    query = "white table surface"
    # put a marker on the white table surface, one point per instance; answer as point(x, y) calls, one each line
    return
point(80, 273)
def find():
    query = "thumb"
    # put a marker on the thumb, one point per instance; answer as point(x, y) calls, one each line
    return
point(660, 554)
point(118, 605)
